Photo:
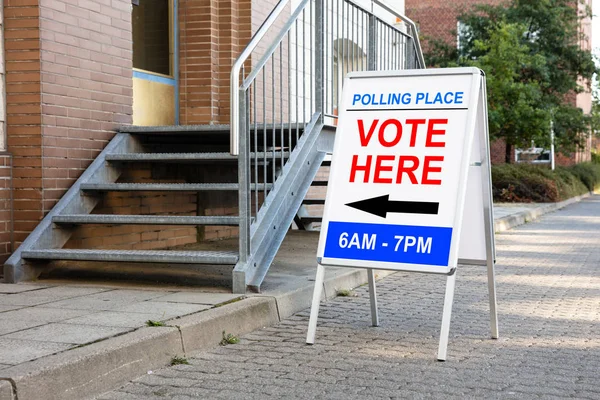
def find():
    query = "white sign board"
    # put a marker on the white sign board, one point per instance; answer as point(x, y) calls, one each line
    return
point(399, 170)
point(410, 169)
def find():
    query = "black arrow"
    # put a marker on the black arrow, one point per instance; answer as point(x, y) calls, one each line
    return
point(382, 205)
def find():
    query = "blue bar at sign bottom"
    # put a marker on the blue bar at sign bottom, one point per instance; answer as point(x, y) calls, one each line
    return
point(406, 244)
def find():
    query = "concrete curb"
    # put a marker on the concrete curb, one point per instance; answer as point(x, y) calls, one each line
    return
point(6, 390)
point(511, 221)
point(291, 302)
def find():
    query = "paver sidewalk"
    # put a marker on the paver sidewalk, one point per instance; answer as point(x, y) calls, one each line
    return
point(548, 277)
point(41, 321)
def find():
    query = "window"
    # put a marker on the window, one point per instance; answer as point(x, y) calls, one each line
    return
point(151, 36)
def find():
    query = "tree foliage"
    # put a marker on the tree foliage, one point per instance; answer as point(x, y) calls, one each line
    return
point(530, 51)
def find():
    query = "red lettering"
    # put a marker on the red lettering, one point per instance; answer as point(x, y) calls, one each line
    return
point(364, 168)
point(379, 168)
point(364, 140)
point(427, 169)
point(410, 171)
point(413, 133)
point(431, 131)
point(398, 136)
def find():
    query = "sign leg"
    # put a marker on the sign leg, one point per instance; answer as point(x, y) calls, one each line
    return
point(446, 315)
point(373, 297)
point(492, 296)
point(314, 308)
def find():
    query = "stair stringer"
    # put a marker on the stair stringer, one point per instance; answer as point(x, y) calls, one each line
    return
point(46, 235)
point(280, 207)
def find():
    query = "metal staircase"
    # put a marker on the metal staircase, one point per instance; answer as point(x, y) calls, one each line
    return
point(284, 91)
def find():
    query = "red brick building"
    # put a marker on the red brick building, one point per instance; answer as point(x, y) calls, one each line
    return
point(438, 20)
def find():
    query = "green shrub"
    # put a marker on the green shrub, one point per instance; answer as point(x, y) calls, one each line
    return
point(588, 173)
point(527, 183)
point(595, 158)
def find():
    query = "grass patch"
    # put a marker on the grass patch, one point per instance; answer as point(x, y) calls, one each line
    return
point(229, 338)
point(230, 301)
point(155, 323)
point(345, 292)
point(176, 360)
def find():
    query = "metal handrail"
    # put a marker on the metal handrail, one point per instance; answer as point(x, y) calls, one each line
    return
point(297, 75)
point(262, 31)
point(413, 28)
point(237, 67)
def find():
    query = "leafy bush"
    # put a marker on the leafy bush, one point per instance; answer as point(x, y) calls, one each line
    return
point(595, 158)
point(588, 173)
point(531, 183)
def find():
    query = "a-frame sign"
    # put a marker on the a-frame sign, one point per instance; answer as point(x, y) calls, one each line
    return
point(410, 184)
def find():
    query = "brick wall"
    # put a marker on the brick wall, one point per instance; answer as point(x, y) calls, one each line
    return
point(5, 207)
point(86, 53)
point(212, 34)
point(437, 19)
point(5, 159)
point(23, 108)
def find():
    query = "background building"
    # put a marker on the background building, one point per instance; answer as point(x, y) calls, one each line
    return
point(437, 20)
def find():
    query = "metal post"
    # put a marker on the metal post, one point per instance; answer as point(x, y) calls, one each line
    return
point(317, 49)
point(492, 298)
point(373, 297)
point(372, 46)
point(446, 315)
point(552, 161)
point(316, 302)
point(411, 59)
point(244, 181)
point(488, 206)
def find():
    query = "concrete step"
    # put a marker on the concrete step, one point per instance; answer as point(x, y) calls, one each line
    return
point(310, 220)
point(175, 129)
point(319, 183)
point(191, 157)
point(312, 202)
point(168, 187)
point(79, 219)
point(150, 256)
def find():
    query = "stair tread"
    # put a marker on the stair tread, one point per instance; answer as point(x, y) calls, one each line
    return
point(311, 219)
point(155, 256)
point(159, 186)
point(146, 219)
point(200, 129)
point(313, 201)
point(213, 156)
point(193, 129)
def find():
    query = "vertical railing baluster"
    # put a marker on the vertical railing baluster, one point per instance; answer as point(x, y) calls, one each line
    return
point(319, 58)
point(289, 105)
point(297, 88)
point(255, 123)
point(281, 129)
point(312, 50)
point(264, 119)
point(244, 185)
point(410, 59)
point(303, 69)
point(372, 46)
point(273, 149)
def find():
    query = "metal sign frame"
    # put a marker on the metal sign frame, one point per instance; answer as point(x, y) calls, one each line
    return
point(476, 124)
